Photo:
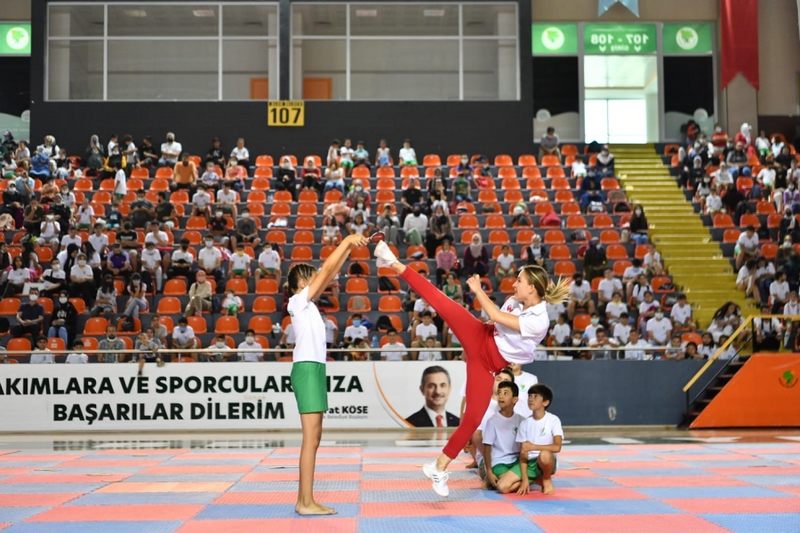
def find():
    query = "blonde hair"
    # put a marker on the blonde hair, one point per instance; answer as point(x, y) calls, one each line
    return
point(551, 292)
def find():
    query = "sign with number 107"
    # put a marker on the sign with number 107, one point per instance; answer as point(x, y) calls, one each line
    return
point(286, 113)
point(619, 39)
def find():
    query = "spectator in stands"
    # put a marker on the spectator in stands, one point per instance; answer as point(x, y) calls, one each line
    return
point(561, 332)
point(356, 329)
point(200, 295)
point(105, 302)
point(534, 253)
point(607, 287)
point(331, 234)
point(358, 225)
point(446, 261)
point(334, 178)
point(33, 217)
point(615, 307)
point(605, 162)
point(184, 175)
point(440, 228)
point(72, 237)
point(346, 156)
point(215, 154)
point(549, 144)
point(423, 330)
point(269, 264)
point(578, 169)
point(707, 347)
point(394, 349)
point(181, 261)
point(415, 226)
point(250, 351)
point(746, 246)
point(147, 156)
point(383, 154)
point(785, 157)
point(712, 203)
point(407, 156)
point(789, 227)
point(358, 350)
point(152, 268)
point(736, 159)
point(240, 263)
point(389, 224)
point(605, 345)
point(792, 305)
point(621, 330)
point(82, 282)
point(576, 343)
point(580, 296)
point(719, 138)
point(42, 354)
point(218, 227)
point(118, 261)
point(77, 356)
point(361, 155)
point(219, 351)
point(142, 210)
point(40, 165)
point(94, 155)
point(520, 217)
point(30, 317)
point(690, 351)
point(201, 203)
point(504, 264)
point(170, 151)
point(241, 153)
point(681, 315)
point(722, 176)
point(452, 287)
point(232, 305)
point(648, 307)
point(209, 259)
point(768, 331)
point(638, 225)
point(333, 152)
point(63, 319)
point(287, 177)
point(210, 179)
point(227, 198)
point(462, 189)
point(636, 348)
point(184, 338)
point(234, 175)
point(430, 351)
point(137, 297)
point(778, 292)
point(591, 329)
point(652, 262)
point(246, 230)
point(594, 260)
point(50, 232)
point(110, 346)
point(411, 197)
point(638, 289)
point(658, 329)
point(53, 279)
point(476, 257)
point(311, 175)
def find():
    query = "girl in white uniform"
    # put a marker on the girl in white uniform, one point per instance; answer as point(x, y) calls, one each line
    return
point(511, 336)
point(308, 370)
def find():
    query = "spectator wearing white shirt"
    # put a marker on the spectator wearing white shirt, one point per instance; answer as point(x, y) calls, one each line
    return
point(241, 153)
point(713, 203)
point(591, 329)
point(183, 337)
point(430, 351)
point(607, 287)
point(792, 306)
point(269, 264)
point(151, 265)
point(424, 330)
point(50, 231)
point(658, 329)
point(331, 329)
point(561, 331)
point(42, 354)
point(99, 239)
point(181, 261)
point(170, 151)
point(504, 267)
point(746, 246)
point(707, 346)
point(407, 155)
point(210, 177)
point(201, 202)
point(681, 314)
point(71, 237)
point(622, 329)
point(393, 349)
point(355, 330)
point(778, 292)
point(227, 199)
point(580, 296)
point(209, 259)
point(240, 262)
point(77, 356)
point(160, 239)
point(250, 351)
point(602, 340)
point(615, 308)
point(639, 289)
point(718, 328)
point(219, 351)
point(636, 348)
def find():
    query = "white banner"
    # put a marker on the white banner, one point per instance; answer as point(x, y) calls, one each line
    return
point(224, 396)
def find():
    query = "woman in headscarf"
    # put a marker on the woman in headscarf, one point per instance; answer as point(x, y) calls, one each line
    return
point(94, 154)
point(476, 258)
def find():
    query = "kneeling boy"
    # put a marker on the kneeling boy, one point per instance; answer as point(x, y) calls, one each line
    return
point(540, 437)
point(500, 446)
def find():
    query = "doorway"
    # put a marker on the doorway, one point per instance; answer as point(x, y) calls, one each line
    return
point(621, 99)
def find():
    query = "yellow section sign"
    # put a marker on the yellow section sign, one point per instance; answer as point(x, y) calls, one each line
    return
point(286, 113)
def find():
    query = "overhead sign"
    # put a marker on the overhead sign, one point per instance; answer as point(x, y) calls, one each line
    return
point(555, 39)
point(688, 38)
point(619, 39)
point(286, 113)
point(223, 396)
point(15, 39)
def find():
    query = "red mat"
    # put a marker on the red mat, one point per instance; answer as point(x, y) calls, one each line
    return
point(199, 456)
point(66, 478)
point(627, 465)
point(293, 461)
point(198, 469)
point(757, 470)
point(439, 508)
point(626, 524)
point(167, 486)
point(110, 463)
point(36, 500)
point(582, 493)
point(275, 525)
point(293, 474)
point(677, 481)
point(18, 457)
point(94, 513)
point(737, 505)
point(283, 497)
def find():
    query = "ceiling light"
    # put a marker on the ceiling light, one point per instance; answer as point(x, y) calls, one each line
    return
point(433, 12)
point(203, 12)
point(136, 13)
point(366, 12)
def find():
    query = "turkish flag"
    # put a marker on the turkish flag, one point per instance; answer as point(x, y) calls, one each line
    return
point(739, 22)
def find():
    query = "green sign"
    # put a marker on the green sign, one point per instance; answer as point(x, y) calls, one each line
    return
point(616, 39)
point(15, 39)
point(555, 39)
point(687, 38)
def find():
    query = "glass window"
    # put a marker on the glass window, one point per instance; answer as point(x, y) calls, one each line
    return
point(490, 19)
point(249, 69)
point(323, 74)
point(176, 20)
point(404, 20)
point(319, 19)
point(75, 70)
point(75, 20)
point(404, 70)
point(163, 70)
point(249, 20)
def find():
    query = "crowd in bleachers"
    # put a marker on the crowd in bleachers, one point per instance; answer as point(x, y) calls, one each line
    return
point(746, 188)
point(145, 247)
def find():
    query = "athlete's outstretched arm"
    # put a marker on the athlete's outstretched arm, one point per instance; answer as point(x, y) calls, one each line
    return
point(334, 263)
point(495, 314)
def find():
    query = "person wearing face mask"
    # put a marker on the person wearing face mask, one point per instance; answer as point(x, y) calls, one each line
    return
point(183, 338)
point(415, 226)
point(659, 329)
point(53, 279)
point(181, 261)
point(246, 231)
point(62, 320)
point(200, 294)
point(227, 198)
point(106, 298)
point(250, 351)
point(50, 231)
point(440, 228)
point(209, 259)
point(356, 330)
point(287, 177)
point(184, 175)
point(170, 151)
point(219, 351)
point(410, 198)
point(389, 224)
point(218, 227)
point(269, 264)
point(81, 280)
point(30, 317)
point(580, 296)
point(638, 225)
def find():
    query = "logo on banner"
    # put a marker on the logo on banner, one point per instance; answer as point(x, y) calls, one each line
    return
point(553, 38)
point(687, 38)
point(788, 379)
point(17, 38)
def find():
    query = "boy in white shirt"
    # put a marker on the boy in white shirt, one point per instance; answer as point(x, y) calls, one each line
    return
point(240, 262)
point(425, 329)
point(77, 356)
point(430, 353)
point(355, 330)
point(540, 436)
point(622, 329)
point(561, 332)
point(615, 308)
point(269, 264)
point(42, 354)
point(500, 446)
point(607, 287)
point(407, 154)
point(681, 314)
point(201, 203)
point(250, 351)
point(637, 348)
point(120, 185)
point(505, 264)
point(394, 349)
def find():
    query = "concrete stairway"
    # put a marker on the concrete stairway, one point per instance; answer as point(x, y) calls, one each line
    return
point(693, 259)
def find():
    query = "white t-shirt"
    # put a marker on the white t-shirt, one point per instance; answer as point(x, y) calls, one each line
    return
point(250, 353)
point(615, 309)
point(269, 259)
point(519, 347)
point(240, 153)
point(421, 305)
point(158, 237)
point(542, 432)
point(561, 332)
point(98, 242)
point(579, 292)
point(356, 332)
point(393, 351)
point(505, 261)
point(80, 271)
point(179, 255)
point(77, 358)
point(501, 434)
point(490, 412)
point(309, 328)
point(791, 308)
point(429, 355)
point(171, 151)
point(50, 230)
point(638, 354)
point(407, 155)
point(68, 239)
point(680, 314)
point(201, 199)
point(424, 331)
point(660, 329)
point(524, 381)
point(330, 330)
point(608, 287)
point(208, 257)
point(632, 272)
point(240, 262)
point(40, 357)
point(622, 332)
point(182, 337)
point(779, 291)
point(747, 243)
point(151, 258)
point(228, 197)
point(120, 183)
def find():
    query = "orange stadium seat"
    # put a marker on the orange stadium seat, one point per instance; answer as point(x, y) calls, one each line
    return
point(260, 324)
point(20, 344)
point(564, 268)
point(169, 305)
point(556, 172)
point(267, 286)
point(390, 304)
point(227, 324)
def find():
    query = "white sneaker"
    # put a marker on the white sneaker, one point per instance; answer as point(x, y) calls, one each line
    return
point(439, 478)
point(384, 255)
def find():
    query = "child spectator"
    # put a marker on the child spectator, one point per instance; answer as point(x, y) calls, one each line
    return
point(500, 464)
point(232, 305)
point(540, 437)
point(383, 155)
point(505, 267)
point(407, 155)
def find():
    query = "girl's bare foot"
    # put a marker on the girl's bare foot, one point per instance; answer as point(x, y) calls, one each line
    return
point(313, 509)
point(547, 486)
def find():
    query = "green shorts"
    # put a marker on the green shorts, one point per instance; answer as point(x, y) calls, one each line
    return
point(533, 469)
point(310, 386)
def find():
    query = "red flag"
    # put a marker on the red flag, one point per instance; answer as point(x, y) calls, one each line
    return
point(739, 22)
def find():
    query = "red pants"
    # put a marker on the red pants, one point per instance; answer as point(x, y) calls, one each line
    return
point(480, 353)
